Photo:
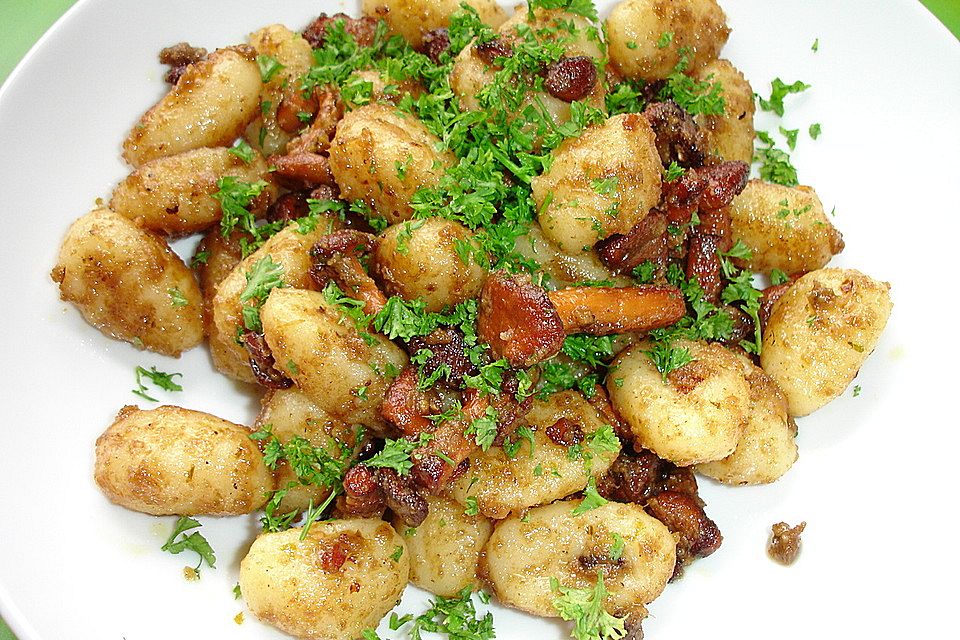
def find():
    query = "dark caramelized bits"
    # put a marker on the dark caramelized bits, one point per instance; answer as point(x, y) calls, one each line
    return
point(697, 535)
point(362, 497)
point(346, 242)
point(449, 350)
point(492, 49)
point(646, 241)
point(668, 493)
point(362, 29)
point(179, 57)
point(401, 495)
point(288, 207)
point(678, 137)
point(565, 433)
point(633, 477)
point(335, 554)
point(570, 79)
point(518, 320)
point(784, 545)
point(262, 363)
point(435, 43)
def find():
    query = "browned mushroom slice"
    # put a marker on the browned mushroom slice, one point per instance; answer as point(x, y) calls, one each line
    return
point(518, 320)
point(609, 310)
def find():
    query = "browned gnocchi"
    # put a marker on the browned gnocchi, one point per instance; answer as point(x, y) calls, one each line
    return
point(171, 460)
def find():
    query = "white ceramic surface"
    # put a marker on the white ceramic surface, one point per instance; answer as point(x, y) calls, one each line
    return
point(873, 481)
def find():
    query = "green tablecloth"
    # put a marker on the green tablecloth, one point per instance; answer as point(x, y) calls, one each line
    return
point(26, 20)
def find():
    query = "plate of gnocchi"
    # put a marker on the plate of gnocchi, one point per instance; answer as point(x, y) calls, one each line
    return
point(418, 318)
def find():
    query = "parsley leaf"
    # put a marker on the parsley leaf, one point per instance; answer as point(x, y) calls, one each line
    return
point(160, 379)
point(396, 454)
point(269, 67)
point(585, 608)
point(243, 150)
point(667, 358)
point(484, 428)
point(194, 542)
point(591, 499)
point(264, 276)
point(778, 91)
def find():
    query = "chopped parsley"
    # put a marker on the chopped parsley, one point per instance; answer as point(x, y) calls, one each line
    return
point(177, 299)
point(264, 276)
point(591, 499)
point(814, 130)
point(193, 542)
point(235, 198)
point(396, 454)
point(778, 91)
point(243, 150)
point(159, 379)
point(584, 607)
point(269, 67)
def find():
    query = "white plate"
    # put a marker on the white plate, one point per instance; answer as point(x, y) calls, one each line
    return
point(872, 480)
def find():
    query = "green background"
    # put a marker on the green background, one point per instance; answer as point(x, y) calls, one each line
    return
point(25, 21)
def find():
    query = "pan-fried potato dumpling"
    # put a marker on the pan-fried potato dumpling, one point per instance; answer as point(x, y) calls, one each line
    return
point(421, 259)
point(820, 332)
point(784, 227)
point(445, 548)
point(169, 460)
point(501, 484)
point(639, 49)
point(291, 250)
point(729, 135)
point(292, 414)
point(599, 183)
point(523, 555)
point(383, 157)
point(339, 369)
point(471, 73)
point(173, 194)
point(209, 107)
point(129, 284)
point(413, 18)
point(564, 269)
point(768, 446)
point(342, 578)
point(296, 57)
point(697, 415)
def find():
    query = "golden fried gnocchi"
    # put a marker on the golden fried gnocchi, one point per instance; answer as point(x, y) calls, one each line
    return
point(599, 183)
point(731, 134)
point(784, 227)
point(820, 332)
point(413, 18)
point(383, 157)
point(129, 284)
point(581, 65)
point(337, 367)
point(646, 36)
point(444, 548)
point(558, 541)
point(173, 194)
point(281, 98)
point(291, 250)
point(768, 446)
point(330, 583)
point(428, 260)
point(290, 414)
point(697, 414)
point(541, 470)
point(209, 107)
point(169, 461)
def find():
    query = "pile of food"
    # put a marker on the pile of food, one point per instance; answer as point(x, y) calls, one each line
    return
point(495, 280)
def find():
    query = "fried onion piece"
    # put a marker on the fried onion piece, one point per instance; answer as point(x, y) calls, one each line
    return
point(608, 310)
point(335, 257)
